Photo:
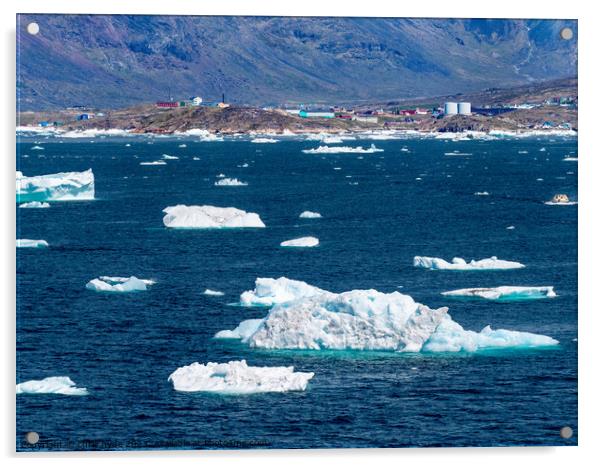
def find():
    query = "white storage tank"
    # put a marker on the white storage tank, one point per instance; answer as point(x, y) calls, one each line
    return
point(464, 108)
point(451, 108)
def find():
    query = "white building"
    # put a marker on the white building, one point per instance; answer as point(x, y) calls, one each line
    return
point(196, 101)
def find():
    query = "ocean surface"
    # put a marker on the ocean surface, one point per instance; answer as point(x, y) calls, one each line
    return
point(379, 211)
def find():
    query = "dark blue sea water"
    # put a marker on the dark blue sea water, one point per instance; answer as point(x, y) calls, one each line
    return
point(124, 347)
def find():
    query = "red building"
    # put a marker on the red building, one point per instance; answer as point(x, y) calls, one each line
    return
point(167, 104)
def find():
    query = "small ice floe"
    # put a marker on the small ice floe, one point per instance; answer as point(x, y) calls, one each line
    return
point(67, 186)
point(196, 158)
point(37, 148)
point(230, 182)
point(210, 292)
point(128, 145)
point(170, 157)
point(539, 179)
point(504, 293)
point(118, 284)
point(34, 205)
point(304, 242)
point(457, 263)
point(523, 151)
point(50, 385)
point(332, 140)
point(207, 216)
point(270, 291)
point(155, 162)
point(221, 175)
point(244, 165)
point(182, 146)
point(570, 159)
point(371, 320)
point(32, 243)
point(457, 152)
point(481, 193)
point(561, 199)
point(264, 141)
point(310, 214)
point(337, 168)
point(343, 150)
point(237, 378)
point(405, 149)
point(511, 227)
point(543, 149)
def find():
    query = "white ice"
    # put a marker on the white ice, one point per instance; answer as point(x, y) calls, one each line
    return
point(481, 193)
point(505, 293)
point(304, 242)
point(32, 243)
point(561, 203)
point(118, 284)
point(457, 263)
point(66, 186)
point(170, 157)
point(269, 291)
point(309, 214)
point(264, 141)
point(230, 182)
point(34, 205)
point(238, 378)
point(50, 385)
point(343, 150)
point(206, 216)
point(155, 162)
point(370, 320)
point(210, 292)
point(37, 148)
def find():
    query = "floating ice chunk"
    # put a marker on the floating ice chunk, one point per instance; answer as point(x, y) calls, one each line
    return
point(370, 320)
point(34, 205)
point(237, 378)
point(50, 385)
point(31, 243)
point(343, 150)
point(182, 146)
point(304, 242)
point(118, 284)
point(570, 159)
point(66, 186)
point(552, 202)
point(37, 148)
point(209, 292)
point(196, 158)
point(481, 193)
point(511, 227)
point(170, 157)
point(93, 132)
point(206, 216)
point(269, 291)
point(457, 263)
point(309, 214)
point(264, 141)
point(155, 162)
point(332, 140)
point(504, 293)
point(230, 182)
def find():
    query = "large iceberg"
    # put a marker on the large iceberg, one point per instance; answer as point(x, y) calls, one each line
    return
point(68, 186)
point(369, 320)
point(343, 150)
point(51, 385)
point(310, 214)
point(269, 291)
point(32, 243)
point(237, 378)
point(304, 242)
point(206, 216)
point(504, 293)
point(118, 284)
point(457, 263)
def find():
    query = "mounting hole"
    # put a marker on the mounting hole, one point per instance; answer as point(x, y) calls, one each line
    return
point(33, 28)
point(32, 438)
point(566, 33)
point(566, 432)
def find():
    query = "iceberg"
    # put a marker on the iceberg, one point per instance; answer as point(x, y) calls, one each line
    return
point(481, 193)
point(570, 159)
point(237, 378)
point(155, 162)
point(457, 263)
point(230, 182)
point(182, 146)
point(504, 293)
point(309, 214)
point(31, 243)
point(50, 385)
point(68, 186)
point(206, 216)
point(304, 242)
point(561, 203)
point(34, 205)
point(264, 141)
point(170, 157)
point(269, 291)
point(370, 320)
point(343, 150)
point(37, 148)
point(209, 292)
point(118, 284)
